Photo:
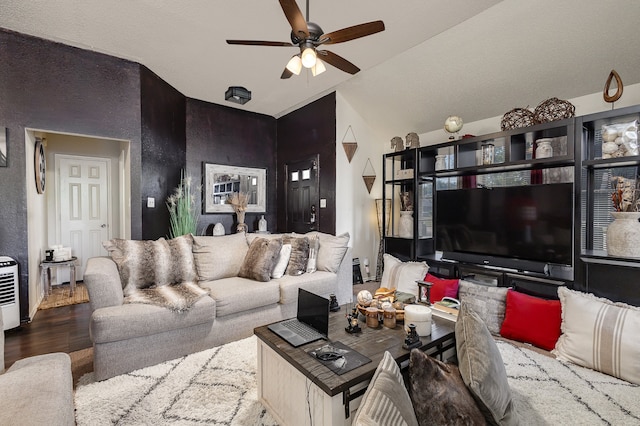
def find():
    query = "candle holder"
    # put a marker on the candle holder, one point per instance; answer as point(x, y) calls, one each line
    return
point(412, 340)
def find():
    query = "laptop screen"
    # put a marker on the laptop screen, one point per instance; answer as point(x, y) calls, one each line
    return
point(313, 310)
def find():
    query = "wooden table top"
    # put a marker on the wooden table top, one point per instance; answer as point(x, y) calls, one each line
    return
point(370, 342)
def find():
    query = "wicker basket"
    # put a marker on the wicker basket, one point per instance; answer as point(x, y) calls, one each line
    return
point(517, 118)
point(554, 109)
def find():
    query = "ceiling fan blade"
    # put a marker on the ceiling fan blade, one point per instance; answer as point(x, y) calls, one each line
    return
point(260, 43)
point(295, 18)
point(338, 61)
point(352, 33)
point(286, 73)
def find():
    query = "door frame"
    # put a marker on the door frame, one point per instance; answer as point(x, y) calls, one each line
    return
point(316, 158)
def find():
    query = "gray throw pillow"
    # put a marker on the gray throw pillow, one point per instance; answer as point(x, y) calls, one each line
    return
point(260, 259)
point(299, 254)
point(386, 401)
point(489, 302)
point(438, 394)
point(482, 369)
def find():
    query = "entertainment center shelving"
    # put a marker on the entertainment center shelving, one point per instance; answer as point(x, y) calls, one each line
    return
point(577, 144)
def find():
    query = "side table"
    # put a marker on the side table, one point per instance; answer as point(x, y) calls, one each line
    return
point(45, 267)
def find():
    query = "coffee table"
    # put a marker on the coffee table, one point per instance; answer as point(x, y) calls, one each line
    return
point(298, 390)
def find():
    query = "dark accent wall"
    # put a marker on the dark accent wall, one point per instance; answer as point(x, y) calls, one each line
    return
point(302, 133)
point(223, 135)
point(164, 149)
point(51, 86)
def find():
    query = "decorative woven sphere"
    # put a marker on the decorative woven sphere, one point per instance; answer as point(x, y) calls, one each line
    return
point(518, 118)
point(364, 298)
point(554, 109)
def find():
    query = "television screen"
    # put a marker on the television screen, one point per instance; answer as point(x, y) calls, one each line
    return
point(533, 223)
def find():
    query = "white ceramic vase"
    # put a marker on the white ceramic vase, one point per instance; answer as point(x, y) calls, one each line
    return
point(405, 227)
point(262, 224)
point(623, 235)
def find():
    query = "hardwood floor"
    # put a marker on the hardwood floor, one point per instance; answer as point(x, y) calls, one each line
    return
point(64, 329)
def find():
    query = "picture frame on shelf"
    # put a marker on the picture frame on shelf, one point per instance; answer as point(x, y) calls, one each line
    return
point(220, 181)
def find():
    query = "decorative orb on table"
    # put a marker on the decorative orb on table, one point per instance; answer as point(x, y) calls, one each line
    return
point(453, 124)
point(364, 298)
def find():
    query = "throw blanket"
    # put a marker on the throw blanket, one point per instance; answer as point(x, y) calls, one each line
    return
point(177, 297)
point(551, 392)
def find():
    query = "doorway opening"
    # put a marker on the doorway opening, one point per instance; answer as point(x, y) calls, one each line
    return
point(87, 179)
point(302, 195)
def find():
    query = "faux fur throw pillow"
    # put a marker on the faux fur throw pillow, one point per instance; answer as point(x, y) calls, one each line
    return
point(260, 259)
point(438, 394)
point(299, 254)
point(143, 264)
point(177, 297)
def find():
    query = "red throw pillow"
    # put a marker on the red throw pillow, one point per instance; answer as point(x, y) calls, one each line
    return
point(441, 288)
point(532, 320)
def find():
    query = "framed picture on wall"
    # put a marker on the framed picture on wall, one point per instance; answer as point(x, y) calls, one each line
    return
point(220, 181)
point(3, 147)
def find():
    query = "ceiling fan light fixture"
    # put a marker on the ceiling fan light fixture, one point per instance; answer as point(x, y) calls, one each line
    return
point(309, 57)
point(237, 94)
point(295, 65)
point(318, 68)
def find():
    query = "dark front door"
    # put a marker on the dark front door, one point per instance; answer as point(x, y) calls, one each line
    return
point(302, 195)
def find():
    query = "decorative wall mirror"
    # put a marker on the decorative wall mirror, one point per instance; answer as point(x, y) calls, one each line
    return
point(221, 181)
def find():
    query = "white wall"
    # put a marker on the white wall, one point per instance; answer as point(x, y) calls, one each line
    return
point(585, 105)
point(355, 208)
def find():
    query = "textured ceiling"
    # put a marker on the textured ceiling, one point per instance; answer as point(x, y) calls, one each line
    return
point(473, 58)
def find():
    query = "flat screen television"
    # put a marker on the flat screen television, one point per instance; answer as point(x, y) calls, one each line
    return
point(520, 227)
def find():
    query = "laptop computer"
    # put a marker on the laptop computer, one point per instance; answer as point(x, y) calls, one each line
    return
point(311, 322)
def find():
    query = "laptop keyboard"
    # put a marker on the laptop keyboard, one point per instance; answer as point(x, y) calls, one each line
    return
point(301, 329)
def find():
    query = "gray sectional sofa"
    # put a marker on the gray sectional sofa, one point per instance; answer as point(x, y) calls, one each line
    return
point(37, 390)
point(129, 336)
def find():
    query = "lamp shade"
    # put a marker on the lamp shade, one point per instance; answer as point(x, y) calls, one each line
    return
point(318, 68)
point(308, 57)
point(295, 65)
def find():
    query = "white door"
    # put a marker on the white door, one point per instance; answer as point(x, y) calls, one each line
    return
point(84, 207)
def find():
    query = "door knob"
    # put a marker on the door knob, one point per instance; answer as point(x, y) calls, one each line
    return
point(104, 225)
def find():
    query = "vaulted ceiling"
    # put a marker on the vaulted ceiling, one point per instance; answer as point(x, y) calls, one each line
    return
point(473, 58)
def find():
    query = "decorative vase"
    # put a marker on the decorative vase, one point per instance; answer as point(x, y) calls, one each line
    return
point(544, 149)
point(405, 227)
point(262, 224)
point(623, 235)
point(242, 227)
point(441, 162)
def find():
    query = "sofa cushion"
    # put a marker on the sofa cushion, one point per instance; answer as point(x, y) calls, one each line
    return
point(331, 250)
point(402, 275)
point(441, 287)
point(282, 262)
point(299, 254)
point(488, 301)
point(600, 334)
point(38, 391)
point(260, 259)
point(219, 257)
point(235, 294)
point(438, 394)
point(115, 323)
point(142, 264)
point(320, 282)
point(532, 320)
point(482, 369)
point(386, 401)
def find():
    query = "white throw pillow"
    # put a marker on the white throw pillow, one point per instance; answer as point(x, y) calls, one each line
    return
point(402, 275)
point(282, 262)
point(331, 251)
point(599, 334)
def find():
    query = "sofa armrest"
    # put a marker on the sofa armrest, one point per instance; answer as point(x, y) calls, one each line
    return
point(103, 283)
point(344, 293)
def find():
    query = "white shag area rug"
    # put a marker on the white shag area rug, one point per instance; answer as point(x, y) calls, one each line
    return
point(550, 392)
point(213, 387)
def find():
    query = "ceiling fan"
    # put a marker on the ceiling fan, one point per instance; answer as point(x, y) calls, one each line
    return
point(308, 36)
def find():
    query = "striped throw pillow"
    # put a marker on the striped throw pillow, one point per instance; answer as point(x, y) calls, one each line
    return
point(599, 334)
point(402, 275)
point(386, 401)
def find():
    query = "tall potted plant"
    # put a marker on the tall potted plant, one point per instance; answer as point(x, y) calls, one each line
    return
point(183, 212)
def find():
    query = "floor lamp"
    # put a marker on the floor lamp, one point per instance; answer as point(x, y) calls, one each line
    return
point(383, 232)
